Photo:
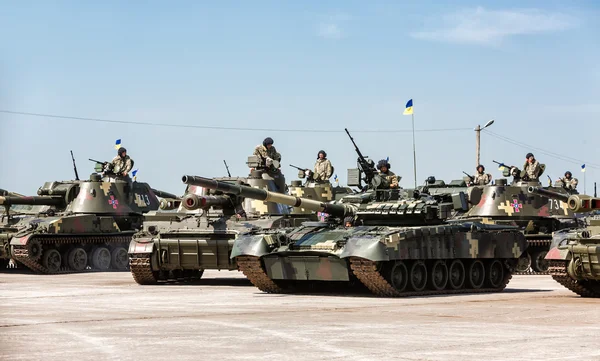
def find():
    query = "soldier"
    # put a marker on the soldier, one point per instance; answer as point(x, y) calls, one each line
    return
point(323, 168)
point(480, 177)
point(568, 182)
point(531, 168)
point(387, 174)
point(122, 162)
point(267, 152)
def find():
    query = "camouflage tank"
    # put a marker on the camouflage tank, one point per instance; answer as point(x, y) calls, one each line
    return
point(535, 213)
point(200, 234)
point(574, 256)
point(393, 241)
point(82, 224)
point(8, 218)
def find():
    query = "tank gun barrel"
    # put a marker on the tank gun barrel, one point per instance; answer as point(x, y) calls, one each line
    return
point(549, 194)
point(192, 202)
point(42, 201)
point(264, 195)
point(581, 203)
point(163, 194)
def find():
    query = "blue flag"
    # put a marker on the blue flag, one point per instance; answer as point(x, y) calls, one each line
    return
point(118, 144)
point(583, 167)
point(409, 108)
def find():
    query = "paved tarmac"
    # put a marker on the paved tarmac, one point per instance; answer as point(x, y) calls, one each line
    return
point(107, 316)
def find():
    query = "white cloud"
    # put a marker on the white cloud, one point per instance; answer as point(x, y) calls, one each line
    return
point(331, 28)
point(481, 26)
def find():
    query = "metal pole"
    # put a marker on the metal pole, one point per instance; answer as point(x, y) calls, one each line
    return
point(414, 151)
point(477, 142)
point(584, 188)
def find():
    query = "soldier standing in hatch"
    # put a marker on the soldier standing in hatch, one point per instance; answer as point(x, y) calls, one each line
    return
point(323, 168)
point(480, 178)
point(568, 182)
point(268, 154)
point(122, 162)
point(384, 170)
point(531, 168)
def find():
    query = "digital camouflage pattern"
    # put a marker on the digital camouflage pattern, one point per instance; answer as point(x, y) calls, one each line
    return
point(122, 164)
point(532, 170)
point(574, 256)
point(85, 225)
point(396, 245)
point(264, 152)
point(482, 179)
point(323, 170)
point(570, 184)
point(391, 178)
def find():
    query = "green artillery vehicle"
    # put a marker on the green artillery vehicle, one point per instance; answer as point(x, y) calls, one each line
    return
point(394, 242)
point(537, 215)
point(574, 257)
point(179, 246)
point(82, 225)
point(7, 219)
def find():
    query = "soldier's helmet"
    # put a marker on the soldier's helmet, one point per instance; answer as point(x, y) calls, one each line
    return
point(267, 141)
point(383, 163)
point(569, 174)
point(482, 168)
point(121, 151)
point(324, 154)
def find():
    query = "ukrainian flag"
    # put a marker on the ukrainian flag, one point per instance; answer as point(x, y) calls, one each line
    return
point(134, 174)
point(118, 144)
point(583, 167)
point(409, 108)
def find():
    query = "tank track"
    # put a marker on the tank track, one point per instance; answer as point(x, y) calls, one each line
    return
point(558, 270)
point(366, 271)
point(530, 271)
point(21, 252)
point(141, 270)
point(252, 268)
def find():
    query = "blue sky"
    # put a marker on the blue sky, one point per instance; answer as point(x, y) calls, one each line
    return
point(312, 66)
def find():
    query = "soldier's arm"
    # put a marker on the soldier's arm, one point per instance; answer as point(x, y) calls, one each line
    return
point(329, 170)
point(276, 155)
point(394, 182)
point(128, 166)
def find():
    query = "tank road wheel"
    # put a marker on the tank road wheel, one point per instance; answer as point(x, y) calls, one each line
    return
point(476, 274)
point(119, 259)
point(52, 260)
point(538, 263)
point(494, 274)
point(438, 278)
point(418, 276)
point(399, 276)
point(77, 259)
point(101, 258)
point(456, 275)
point(34, 249)
point(524, 263)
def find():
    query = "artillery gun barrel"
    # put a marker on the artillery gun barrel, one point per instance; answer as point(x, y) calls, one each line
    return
point(163, 194)
point(581, 203)
point(549, 194)
point(264, 195)
point(192, 202)
point(42, 201)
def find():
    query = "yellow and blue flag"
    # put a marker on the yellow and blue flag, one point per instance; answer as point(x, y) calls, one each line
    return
point(409, 108)
point(335, 178)
point(583, 167)
point(118, 144)
point(134, 174)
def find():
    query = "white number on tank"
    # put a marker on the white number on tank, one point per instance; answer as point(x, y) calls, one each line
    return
point(555, 204)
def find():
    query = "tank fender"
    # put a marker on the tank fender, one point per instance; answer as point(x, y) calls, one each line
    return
point(141, 246)
point(368, 247)
point(253, 245)
point(558, 254)
point(20, 241)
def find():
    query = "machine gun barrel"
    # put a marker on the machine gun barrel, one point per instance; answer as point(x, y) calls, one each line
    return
point(163, 194)
point(36, 200)
point(302, 169)
point(192, 202)
point(264, 195)
point(97, 161)
point(547, 193)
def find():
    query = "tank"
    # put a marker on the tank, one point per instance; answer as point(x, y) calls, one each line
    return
point(80, 225)
point(394, 242)
point(574, 256)
point(9, 216)
point(199, 235)
point(537, 215)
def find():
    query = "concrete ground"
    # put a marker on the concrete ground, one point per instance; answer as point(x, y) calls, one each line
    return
point(107, 316)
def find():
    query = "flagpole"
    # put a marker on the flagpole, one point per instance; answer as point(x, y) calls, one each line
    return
point(415, 152)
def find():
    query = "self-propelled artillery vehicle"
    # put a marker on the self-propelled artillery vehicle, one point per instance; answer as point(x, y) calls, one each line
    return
point(394, 242)
point(535, 214)
point(574, 256)
point(179, 246)
point(82, 225)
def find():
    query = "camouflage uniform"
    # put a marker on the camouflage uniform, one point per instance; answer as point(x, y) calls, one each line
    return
point(124, 164)
point(532, 170)
point(570, 184)
point(323, 170)
point(264, 153)
point(481, 179)
point(391, 178)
